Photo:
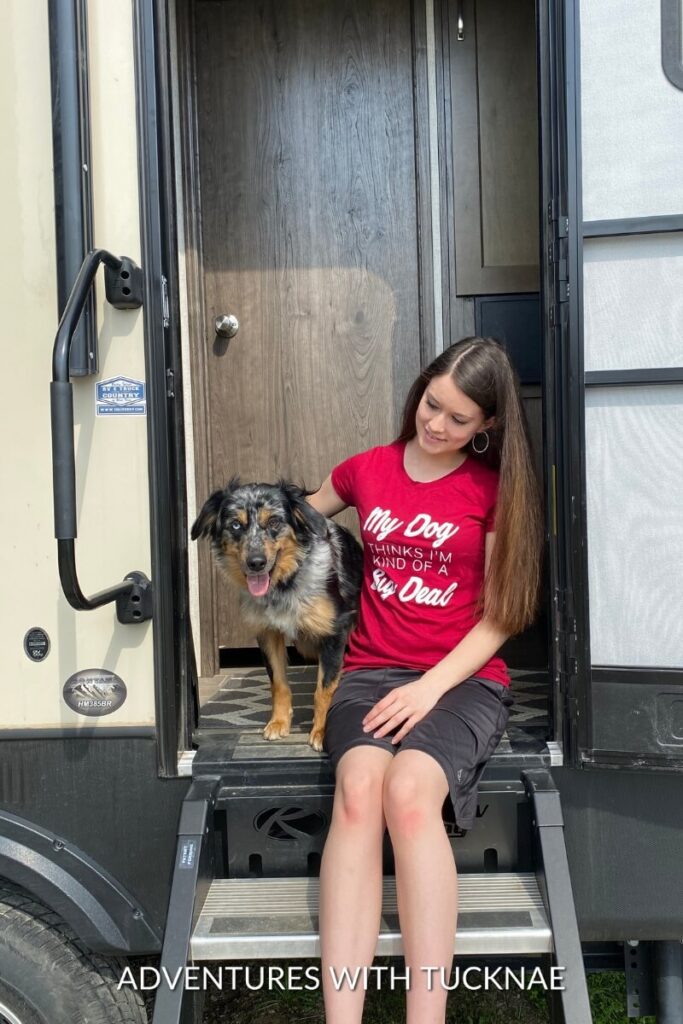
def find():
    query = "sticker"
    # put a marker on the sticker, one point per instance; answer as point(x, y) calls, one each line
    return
point(187, 853)
point(37, 644)
point(94, 692)
point(121, 396)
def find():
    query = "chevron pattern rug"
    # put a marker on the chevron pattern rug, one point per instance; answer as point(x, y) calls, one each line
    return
point(241, 704)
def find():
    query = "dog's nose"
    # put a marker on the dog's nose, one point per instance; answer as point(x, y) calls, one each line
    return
point(256, 563)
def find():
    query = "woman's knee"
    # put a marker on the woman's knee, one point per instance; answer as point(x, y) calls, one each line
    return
point(359, 780)
point(413, 794)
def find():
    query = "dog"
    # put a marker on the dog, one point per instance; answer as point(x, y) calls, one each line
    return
point(298, 575)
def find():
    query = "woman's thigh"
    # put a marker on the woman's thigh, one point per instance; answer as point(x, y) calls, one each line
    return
point(459, 733)
point(356, 695)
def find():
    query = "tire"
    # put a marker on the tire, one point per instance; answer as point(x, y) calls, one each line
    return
point(48, 976)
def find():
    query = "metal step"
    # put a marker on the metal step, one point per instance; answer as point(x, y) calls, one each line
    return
point(267, 918)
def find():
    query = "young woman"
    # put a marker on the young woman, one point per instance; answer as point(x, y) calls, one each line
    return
point(451, 527)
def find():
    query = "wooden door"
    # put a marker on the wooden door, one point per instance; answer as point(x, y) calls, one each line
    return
point(309, 165)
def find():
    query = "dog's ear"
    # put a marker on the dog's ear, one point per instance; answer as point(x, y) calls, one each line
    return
point(307, 520)
point(206, 523)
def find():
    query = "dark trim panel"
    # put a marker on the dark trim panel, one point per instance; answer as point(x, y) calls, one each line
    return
point(625, 847)
point(575, 390)
point(635, 716)
point(76, 732)
point(672, 37)
point(620, 759)
point(554, 327)
point(630, 378)
point(188, 683)
point(71, 156)
point(633, 674)
point(423, 183)
point(64, 878)
point(631, 226)
point(173, 659)
point(114, 823)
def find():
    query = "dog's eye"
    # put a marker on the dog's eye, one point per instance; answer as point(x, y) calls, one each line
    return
point(274, 523)
point(234, 526)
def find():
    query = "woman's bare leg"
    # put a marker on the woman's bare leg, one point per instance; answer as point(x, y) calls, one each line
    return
point(351, 879)
point(415, 787)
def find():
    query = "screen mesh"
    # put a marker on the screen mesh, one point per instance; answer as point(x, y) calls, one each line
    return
point(634, 472)
point(633, 302)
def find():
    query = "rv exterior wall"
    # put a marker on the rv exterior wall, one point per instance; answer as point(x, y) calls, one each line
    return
point(111, 450)
point(631, 155)
point(631, 114)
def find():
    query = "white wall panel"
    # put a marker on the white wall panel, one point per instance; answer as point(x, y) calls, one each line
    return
point(634, 471)
point(632, 116)
point(633, 302)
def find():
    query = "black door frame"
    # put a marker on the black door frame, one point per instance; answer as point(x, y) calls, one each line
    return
point(174, 668)
point(563, 373)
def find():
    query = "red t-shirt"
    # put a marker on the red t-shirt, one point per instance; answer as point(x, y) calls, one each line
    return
point(423, 559)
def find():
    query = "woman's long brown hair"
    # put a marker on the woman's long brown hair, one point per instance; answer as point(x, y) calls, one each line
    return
point(481, 369)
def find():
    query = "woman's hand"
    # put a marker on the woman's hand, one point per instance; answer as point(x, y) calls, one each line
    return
point(407, 704)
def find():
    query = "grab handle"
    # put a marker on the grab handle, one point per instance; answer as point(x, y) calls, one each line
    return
point(123, 280)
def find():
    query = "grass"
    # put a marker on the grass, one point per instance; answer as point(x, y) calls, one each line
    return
point(386, 1005)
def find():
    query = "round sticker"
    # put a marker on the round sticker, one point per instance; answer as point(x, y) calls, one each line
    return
point(94, 692)
point(37, 644)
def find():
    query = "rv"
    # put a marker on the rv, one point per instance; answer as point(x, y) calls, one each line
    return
point(234, 232)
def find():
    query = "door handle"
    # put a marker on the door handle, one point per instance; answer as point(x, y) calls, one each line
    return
point(227, 325)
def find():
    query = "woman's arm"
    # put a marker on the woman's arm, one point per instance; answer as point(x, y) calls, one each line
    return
point(411, 702)
point(474, 650)
point(465, 660)
point(326, 500)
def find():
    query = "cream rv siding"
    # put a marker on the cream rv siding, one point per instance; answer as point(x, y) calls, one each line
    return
point(111, 453)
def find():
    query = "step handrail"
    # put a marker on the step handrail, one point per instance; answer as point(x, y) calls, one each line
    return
point(136, 584)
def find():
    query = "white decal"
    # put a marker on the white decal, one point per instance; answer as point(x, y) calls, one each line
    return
point(382, 584)
point(400, 556)
point(424, 526)
point(415, 590)
point(380, 522)
point(120, 396)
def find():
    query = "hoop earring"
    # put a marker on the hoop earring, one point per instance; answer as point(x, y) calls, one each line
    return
point(480, 451)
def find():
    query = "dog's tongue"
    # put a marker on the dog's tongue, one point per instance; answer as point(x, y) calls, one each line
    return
point(258, 584)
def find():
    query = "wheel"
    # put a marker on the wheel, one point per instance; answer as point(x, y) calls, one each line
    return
point(47, 975)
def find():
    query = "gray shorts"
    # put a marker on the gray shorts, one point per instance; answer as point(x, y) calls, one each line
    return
point(460, 732)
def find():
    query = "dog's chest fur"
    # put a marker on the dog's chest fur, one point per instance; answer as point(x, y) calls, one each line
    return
point(290, 609)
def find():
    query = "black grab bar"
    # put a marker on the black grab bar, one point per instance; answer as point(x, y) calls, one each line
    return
point(123, 282)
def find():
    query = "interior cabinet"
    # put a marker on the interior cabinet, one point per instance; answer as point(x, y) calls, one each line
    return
point(494, 144)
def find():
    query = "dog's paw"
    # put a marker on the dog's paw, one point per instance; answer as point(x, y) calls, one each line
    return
point(276, 729)
point(315, 738)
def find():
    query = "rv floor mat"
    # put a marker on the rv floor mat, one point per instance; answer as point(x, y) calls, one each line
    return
point(238, 702)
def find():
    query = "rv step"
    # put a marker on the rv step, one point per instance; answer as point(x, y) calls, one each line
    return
point(267, 918)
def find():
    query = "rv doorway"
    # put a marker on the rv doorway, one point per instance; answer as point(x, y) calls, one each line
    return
point(360, 188)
